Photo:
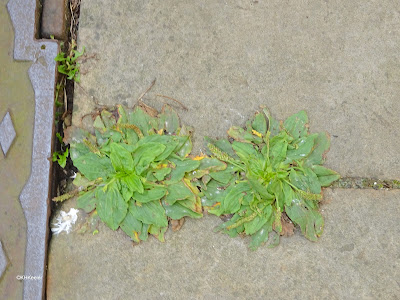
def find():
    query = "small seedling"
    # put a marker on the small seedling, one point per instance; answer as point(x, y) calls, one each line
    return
point(68, 64)
point(60, 156)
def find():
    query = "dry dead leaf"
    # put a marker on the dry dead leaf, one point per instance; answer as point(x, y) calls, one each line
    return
point(177, 224)
point(287, 226)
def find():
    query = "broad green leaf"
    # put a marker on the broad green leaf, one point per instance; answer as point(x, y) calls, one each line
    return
point(176, 211)
point(170, 143)
point(223, 176)
point(211, 164)
point(240, 135)
point(325, 176)
point(215, 191)
point(145, 232)
point(244, 151)
point(276, 188)
point(260, 189)
point(101, 139)
point(125, 190)
point(259, 123)
point(303, 148)
point(108, 119)
point(160, 174)
point(185, 149)
point(75, 136)
point(278, 148)
point(170, 119)
point(87, 201)
point(80, 181)
point(177, 191)
point(150, 195)
point(92, 166)
point(111, 206)
point(98, 124)
point(122, 116)
point(121, 158)
point(312, 181)
point(296, 124)
point(131, 136)
point(261, 236)
point(307, 182)
point(254, 225)
point(132, 226)
point(145, 154)
point(181, 168)
point(321, 146)
point(288, 194)
point(310, 221)
point(158, 232)
point(228, 223)
point(112, 135)
point(151, 213)
point(232, 201)
point(141, 119)
point(133, 182)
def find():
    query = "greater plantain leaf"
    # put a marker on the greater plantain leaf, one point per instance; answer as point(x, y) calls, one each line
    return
point(87, 201)
point(295, 125)
point(177, 211)
point(150, 213)
point(111, 206)
point(325, 176)
point(121, 158)
point(150, 195)
point(177, 191)
point(92, 166)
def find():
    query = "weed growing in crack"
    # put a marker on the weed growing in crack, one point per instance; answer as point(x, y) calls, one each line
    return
point(135, 170)
point(272, 179)
point(68, 64)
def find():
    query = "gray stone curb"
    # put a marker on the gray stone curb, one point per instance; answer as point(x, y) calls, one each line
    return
point(3, 260)
point(35, 195)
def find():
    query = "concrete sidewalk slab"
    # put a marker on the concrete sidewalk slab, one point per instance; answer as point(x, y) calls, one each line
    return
point(339, 61)
point(357, 257)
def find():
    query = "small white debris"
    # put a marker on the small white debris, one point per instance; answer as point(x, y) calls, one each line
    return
point(65, 221)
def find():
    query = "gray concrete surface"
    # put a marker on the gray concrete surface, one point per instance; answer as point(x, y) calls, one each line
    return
point(338, 60)
point(357, 257)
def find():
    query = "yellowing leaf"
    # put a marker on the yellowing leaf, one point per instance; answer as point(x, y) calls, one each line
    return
point(256, 133)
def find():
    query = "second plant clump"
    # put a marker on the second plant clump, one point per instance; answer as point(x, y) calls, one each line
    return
point(273, 177)
point(137, 173)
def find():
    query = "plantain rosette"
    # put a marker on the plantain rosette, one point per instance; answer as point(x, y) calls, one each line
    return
point(134, 170)
point(273, 177)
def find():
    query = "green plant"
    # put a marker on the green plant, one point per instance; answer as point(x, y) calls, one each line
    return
point(60, 156)
point(273, 176)
point(135, 170)
point(68, 64)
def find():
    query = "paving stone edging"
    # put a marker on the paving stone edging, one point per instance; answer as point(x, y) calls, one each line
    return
point(34, 197)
